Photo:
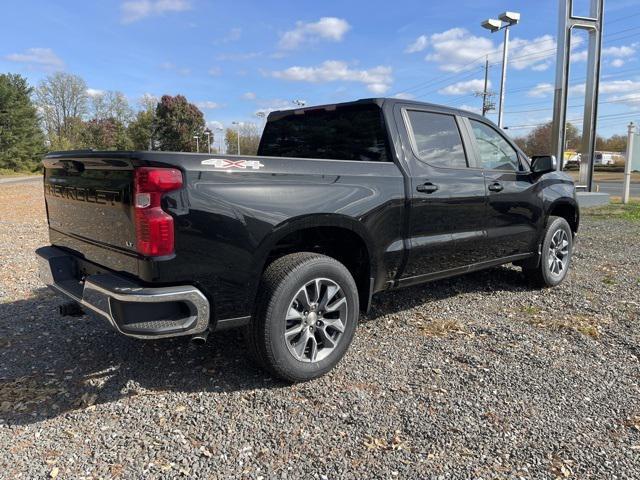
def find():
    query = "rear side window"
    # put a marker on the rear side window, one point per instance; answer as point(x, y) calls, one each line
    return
point(352, 132)
point(437, 139)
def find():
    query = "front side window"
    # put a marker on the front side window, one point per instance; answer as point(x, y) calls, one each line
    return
point(437, 139)
point(495, 152)
point(349, 132)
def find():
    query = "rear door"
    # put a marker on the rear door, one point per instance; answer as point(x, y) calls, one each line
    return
point(448, 200)
point(514, 206)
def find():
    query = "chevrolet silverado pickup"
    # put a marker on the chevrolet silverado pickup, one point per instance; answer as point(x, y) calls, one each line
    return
point(343, 201)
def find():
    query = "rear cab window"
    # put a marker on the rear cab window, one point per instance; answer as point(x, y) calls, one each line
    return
point(349, 132)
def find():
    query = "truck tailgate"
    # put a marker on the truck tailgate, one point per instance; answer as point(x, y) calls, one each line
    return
point(89, 206)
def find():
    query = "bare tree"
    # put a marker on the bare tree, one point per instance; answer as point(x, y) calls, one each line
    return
point(62, 101)
point(111, 105)
point(249, 139)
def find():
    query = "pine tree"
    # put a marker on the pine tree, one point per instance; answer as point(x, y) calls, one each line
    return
point(21, 139)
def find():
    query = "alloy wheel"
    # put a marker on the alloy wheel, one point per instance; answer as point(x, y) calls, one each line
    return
point(315, 320)
point(558, 258)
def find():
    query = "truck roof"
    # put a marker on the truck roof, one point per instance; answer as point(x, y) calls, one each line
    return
point(377, 101)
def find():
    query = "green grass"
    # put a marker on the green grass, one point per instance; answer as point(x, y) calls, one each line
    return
point(530, 310)
point(630, 212)
point(6, 172)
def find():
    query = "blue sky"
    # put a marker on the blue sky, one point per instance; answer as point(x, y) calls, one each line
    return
point(236, 58)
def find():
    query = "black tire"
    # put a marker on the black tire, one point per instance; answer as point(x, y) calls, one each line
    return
point(281, 282)
point(548, 273)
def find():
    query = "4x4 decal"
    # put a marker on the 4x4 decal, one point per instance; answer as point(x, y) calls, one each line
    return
point(225, 163)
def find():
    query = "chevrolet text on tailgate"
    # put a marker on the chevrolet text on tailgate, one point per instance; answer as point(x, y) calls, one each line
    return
point(342, 201)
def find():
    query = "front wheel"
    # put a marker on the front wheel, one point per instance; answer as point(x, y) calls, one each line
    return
point(555, 258)
point(306, 316)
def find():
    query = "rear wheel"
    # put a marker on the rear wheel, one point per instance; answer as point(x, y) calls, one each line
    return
point(306, 316)
point(555, 258)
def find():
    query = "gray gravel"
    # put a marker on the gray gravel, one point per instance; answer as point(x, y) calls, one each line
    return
point(474, 377)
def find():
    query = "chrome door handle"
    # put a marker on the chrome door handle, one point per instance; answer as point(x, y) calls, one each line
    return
point(496, 187)
point(427, 188)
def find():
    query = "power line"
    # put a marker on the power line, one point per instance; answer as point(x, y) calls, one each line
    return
point(548, 53)
point(611, 116)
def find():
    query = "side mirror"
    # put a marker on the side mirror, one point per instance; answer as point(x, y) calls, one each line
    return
point(543, 163)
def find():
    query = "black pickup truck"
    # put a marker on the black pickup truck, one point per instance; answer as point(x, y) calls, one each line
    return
point(342, 201)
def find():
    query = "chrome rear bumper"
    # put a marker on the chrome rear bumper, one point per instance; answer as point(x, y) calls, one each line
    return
point(133, 310)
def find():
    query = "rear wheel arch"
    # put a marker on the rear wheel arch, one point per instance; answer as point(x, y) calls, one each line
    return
point(336, 236)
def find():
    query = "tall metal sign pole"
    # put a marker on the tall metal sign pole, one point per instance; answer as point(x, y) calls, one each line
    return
point(592, 24)
point(627, 166)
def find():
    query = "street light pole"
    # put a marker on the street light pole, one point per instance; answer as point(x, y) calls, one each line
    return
point(197, 144)
point(503, 80)
point(208, 134)
point(238, 134)
point(506, 20)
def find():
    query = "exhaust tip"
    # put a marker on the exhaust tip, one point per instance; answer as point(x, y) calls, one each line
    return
point(201, 338)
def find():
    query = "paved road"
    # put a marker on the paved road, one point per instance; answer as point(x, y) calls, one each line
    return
point(31, 178)
point(615, 188)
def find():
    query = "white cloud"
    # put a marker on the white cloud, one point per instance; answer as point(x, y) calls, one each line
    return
point(460, 88)
point(134, 10)
point(456, 47)
point(470, 108)
point(580, 56)
point(238, 56)
point(541, 90)
point(404, 96)
point(232, 36)
point(94, 92)
point(183, 71)
point(38, 58)
point(249, 96)
point(624, 87)
point(215, 71)
point(538, 54)
point(377, 79)
point(215, 125)
point(418, 45)
point(273, 104)
point(207, 105)
point(616, 54)
point(623, 51)
point(631, 99)
point(327, 28)
point(457, 50)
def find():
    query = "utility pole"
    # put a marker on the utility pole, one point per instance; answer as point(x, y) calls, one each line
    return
point(487, 104)
point(627, 165)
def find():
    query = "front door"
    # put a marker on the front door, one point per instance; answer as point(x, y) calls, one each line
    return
point(515, 207)
point(448, 200)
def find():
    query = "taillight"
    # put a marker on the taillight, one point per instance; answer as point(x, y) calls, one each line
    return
point(154, 226)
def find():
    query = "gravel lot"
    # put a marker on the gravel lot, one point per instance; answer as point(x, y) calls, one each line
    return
point(474, 377)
